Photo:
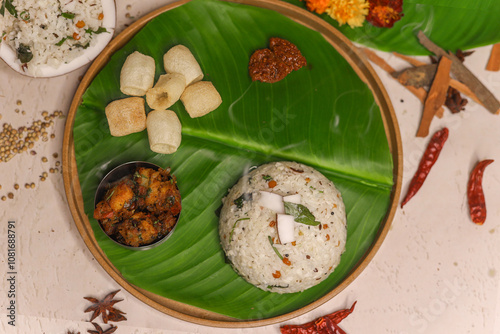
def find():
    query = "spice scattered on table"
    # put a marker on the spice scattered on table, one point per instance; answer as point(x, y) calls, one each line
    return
point(475, 194)
point(436, 96)
point(276, 62)
point(15, 141)
point(328, 324)
point(105, 308)
point(464, 75)
point(428, 160)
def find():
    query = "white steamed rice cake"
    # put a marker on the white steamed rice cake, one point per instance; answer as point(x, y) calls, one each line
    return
point(249, 234)
point(50, 32)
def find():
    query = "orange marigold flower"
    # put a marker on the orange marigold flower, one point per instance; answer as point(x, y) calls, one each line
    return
point(318, 6)
point(352, 12)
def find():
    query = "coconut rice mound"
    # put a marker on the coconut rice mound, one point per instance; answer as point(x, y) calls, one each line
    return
point(52, 32)
point(249, 236)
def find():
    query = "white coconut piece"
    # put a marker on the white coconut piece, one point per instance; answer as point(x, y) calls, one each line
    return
point(137, 74)
point(126, 116)
point(200, 98)
point(166, 91)
point(292, 199)
point(164, 131)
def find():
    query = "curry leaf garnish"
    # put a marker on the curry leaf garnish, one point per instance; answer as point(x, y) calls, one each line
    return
point(234, 226)
point(300, 213)
point(274, 248)
point(25, 16)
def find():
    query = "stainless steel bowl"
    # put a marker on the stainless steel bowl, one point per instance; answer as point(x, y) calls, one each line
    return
point(112, 177)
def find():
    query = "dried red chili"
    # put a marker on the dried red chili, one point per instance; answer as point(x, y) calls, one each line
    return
point(475, 194)
point(428, 160)
point(327, 324)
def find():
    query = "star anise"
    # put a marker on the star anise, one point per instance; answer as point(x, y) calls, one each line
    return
point(384, 13)
point(99, 330)
point(454, 100)
point(105, 308)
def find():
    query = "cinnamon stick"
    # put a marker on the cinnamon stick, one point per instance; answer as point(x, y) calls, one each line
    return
point(494, 60)
point(464, 75)
point(412, 61)
point(419, 76)
point(462, 88)
point(436, 96)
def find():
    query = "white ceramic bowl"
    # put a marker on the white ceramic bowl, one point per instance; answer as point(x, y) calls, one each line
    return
point(8, 55)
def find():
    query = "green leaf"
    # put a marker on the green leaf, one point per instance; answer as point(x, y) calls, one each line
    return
point(300, 213)
point(322, 115)
point(451, 24)
point(274, 248)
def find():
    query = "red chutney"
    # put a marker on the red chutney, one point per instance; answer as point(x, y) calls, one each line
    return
point(275, 63)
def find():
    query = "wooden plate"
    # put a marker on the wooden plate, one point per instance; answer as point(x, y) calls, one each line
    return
point(188, 312)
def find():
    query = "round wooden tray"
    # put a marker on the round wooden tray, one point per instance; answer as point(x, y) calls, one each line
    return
point(188, 312)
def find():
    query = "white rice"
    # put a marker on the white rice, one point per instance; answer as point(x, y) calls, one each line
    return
point(245, 231)
point(41, 25)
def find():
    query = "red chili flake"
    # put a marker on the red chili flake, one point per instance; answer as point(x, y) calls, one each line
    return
point(272, 184)
point(430, 157)
point(277, 274)
point(322, 325)
point(287, 261)
point(384, 13)
point(475, 194)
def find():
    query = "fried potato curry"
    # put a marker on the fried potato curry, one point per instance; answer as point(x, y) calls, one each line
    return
point(141, 208)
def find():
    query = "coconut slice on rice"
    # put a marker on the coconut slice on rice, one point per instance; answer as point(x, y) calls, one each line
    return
point(57, 37)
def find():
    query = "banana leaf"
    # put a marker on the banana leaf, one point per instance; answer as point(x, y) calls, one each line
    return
point(451, 24)
point(323, 115)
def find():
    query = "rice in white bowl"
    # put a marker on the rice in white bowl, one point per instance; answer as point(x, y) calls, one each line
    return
point(51, 32)
point(249, 236)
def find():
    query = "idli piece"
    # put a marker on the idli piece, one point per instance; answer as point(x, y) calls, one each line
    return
point(164, 131)
point(200, 98)
point(137, 74)
point(126, 116)
point(166, 91)
point(283, 252)
point(179, 59)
